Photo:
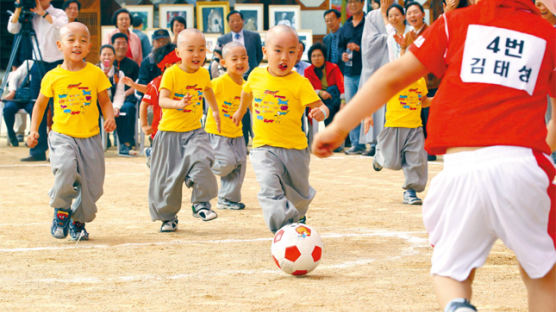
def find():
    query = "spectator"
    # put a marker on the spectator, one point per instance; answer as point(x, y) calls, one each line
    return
point(332, 20)
point(126, 120)
point(301, 65)
point(13, 101)
point(350, 48)
point(145, 43)
point(252, 43)
point(122, 19)
point(46, 23)
point(177, 24)
point(215, 68)
point(161, 47)
point(117, 90)
point(72, 8)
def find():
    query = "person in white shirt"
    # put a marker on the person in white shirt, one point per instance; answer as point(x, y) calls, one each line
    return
point(13, 104)
point(46, 22)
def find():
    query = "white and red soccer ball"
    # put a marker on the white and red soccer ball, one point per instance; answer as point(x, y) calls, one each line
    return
point(297, 249)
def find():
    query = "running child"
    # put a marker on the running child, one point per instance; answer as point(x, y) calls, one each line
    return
point(181, 149)
point(229, 148)
point(76, 154)
point(400, 145)
point(497, 63)
point(280, 155)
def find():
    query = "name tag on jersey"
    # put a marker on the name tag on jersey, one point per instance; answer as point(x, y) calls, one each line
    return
point(501, 56)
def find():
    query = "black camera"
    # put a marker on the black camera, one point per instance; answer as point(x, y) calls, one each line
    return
point(26, 4)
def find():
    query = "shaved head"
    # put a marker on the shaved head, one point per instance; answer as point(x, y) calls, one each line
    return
point(74, 27)
point(280, 31)
point(186, 34)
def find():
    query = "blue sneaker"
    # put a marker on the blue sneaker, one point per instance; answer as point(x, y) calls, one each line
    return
point(60, 223)
point(410, 198)
point(77, 231)
point(147, 151)
point(460, 305)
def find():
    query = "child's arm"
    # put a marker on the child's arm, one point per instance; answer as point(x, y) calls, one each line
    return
point(246, 99)
point(137, 86)
point(143, 117)
point(166, 102)
point(319, 114)
point(36, 118)
point(426, 102)
point(211, 101)
point(107, 111)
point(368, 122)
point(551, 136)
point(388, 80)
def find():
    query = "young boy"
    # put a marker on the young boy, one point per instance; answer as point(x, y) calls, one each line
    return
point(181, 149)
point(496, 60)
point(280, 155)
point(229, 148)
point(76, 154)
point(401, 142)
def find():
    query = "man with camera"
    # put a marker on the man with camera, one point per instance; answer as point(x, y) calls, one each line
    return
point(46, 22)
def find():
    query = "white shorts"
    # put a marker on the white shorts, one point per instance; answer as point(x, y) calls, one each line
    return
point(494, 192)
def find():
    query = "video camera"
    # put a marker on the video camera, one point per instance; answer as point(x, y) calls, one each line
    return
point(26, 4)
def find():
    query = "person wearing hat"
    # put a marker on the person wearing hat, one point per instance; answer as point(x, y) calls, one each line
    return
point(137, 26)
point(161, 47)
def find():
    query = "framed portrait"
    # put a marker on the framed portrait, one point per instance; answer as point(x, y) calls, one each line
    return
point(306, 36)
point(211, 44)
point(145, 12)
point(252, 15)
point(167, 11)
point(284, 14)
point(211, 17)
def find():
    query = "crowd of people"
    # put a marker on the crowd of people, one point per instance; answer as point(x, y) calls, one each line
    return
point(372, 79)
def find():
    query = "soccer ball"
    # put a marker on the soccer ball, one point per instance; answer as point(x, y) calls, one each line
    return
point(297, 249)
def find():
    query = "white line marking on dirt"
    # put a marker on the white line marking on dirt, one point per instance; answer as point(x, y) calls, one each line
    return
point(24, 165)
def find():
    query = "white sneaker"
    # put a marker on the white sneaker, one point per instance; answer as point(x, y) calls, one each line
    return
point(169, 225)
point(203, 211)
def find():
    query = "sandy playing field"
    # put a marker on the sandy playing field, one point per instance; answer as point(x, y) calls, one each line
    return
point(376, 255)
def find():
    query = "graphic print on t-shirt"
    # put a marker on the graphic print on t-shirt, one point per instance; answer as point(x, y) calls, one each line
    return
point(412, 99)
point(230, 107)
point(271, 107)
point(74, 99)
point(196, 93)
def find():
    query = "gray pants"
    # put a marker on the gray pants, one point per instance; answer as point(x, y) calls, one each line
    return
point(179, 157)
point(230, 157)
point(403, 148)
point(78, 168)
point(283, 175)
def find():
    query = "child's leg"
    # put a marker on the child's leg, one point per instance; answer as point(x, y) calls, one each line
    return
point(63, 163)
point(448, 289)
point(541, 292)
point(90, 167)
point(168, 170)
point(388, 149)
point(200, 157)
point(414, 159)
point(232, 180)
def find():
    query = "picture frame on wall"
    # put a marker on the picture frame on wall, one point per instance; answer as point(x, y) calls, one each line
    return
point(211, 40)
point(145, 11)
point(306, 36)
point(211, 17)
point(167, 11)
point(284, 14)
point(253, 19)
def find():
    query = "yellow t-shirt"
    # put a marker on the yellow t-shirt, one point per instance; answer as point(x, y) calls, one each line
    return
point(228, 95)
point(404, 109)
point(180, 83)
point(75, 99)
point(278, 105)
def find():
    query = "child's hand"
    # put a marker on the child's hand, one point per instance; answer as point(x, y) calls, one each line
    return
point(368, 123)
point(185, 100)
point(216, 116)
point(236, 118)
point(32, 139)
point(109, 125)
point(128, 81)
point(116, 112)
point(327, 140)
point(319, 113)
point(147, 129)
point(324, 95)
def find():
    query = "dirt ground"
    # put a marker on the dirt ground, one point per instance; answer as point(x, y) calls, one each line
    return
point(376, 255)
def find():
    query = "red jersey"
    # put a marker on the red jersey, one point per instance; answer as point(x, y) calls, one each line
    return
point(495, 77)
point(151, 98)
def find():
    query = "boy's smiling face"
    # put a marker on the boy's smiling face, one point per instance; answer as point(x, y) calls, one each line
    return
point(74, 42)
point(236, 61)
point(191, 49)
point(281, 49)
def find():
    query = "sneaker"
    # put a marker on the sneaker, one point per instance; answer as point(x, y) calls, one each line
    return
point(355, 150)
point(460, 305)
point(203, 211)
point(302, 220)
point(147, 151)
point(370, 153)
point(77, 231)
point(19, 137)
point(376, 165)
point(126, 151)
point(339, 150)
point(34, 158)
point(228, 204)
point(410, 198)
point(60, 223)
point(169, 225)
